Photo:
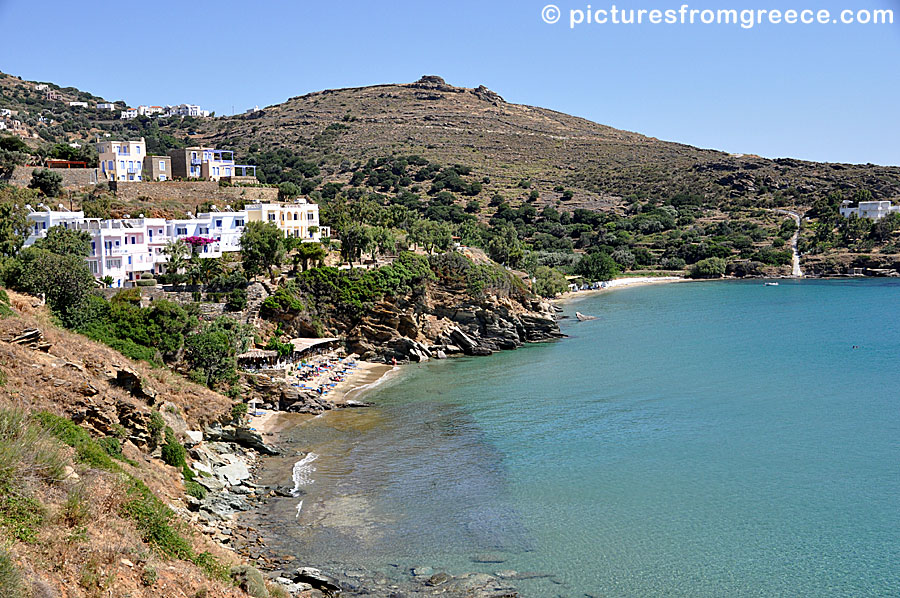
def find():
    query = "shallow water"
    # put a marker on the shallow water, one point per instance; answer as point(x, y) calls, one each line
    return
point(705, 439)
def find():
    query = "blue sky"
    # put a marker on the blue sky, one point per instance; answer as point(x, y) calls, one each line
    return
point(819, 92)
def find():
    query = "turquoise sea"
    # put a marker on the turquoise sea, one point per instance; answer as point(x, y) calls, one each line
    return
point(696, 440)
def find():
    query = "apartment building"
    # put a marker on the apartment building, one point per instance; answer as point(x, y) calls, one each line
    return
point(123, 249)
point(122, 160)
point(299, 219)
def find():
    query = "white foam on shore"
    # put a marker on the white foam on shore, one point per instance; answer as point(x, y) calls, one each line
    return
point(360, 390)
point(301, 474)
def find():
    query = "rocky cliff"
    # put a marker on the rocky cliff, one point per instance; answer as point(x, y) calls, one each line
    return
point(441, 321)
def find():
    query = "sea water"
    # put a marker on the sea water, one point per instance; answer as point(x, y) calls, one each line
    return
point(696, 440)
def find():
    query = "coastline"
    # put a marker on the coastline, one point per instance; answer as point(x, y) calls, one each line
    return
point(620, 283)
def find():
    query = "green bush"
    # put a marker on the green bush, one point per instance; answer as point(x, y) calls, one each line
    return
point(11, 585)
point(87, 450)
point(149, 576)
point(194, 489)
point(174, 454)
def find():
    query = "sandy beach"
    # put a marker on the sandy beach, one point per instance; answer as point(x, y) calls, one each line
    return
point(353, 387)
point(620, 283)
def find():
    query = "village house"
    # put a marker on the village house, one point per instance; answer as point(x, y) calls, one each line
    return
point(106, 106)
point(78, 104)
point(149, 110)
point(299, 219)
point(122, 160)
point(873, 210)
point(129, 114)
point(211, 164)
point(41, 87)
point(158, 168)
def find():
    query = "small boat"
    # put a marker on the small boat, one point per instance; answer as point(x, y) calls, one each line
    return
point(771, 284)
point(583, 318)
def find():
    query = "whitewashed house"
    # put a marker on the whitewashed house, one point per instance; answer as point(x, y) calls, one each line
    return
point(106, 106)
point(78, 104)
point(129, 114)
point(873, 210)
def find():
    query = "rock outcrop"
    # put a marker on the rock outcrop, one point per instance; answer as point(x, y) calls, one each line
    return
point(440, 322)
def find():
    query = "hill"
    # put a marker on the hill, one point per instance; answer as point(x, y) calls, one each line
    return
point(511, 143)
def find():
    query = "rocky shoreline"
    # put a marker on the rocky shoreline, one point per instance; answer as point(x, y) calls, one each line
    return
point(225, 461)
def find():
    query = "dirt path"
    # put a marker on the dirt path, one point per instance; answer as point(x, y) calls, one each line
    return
point(795, 240)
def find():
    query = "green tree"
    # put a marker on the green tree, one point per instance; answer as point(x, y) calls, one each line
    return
point(288, 191)
point(713, 267)
point(309, 252)
point(356, 239)
point(549, 282)
point(208, 268)
point(64, 241)
point(177, 254)
point(597, 266)
point(64, 280)
point(262, 248)
point(46, 181)
point(14, 226)
point(210, 355)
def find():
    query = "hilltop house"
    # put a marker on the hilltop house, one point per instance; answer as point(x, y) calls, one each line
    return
point(106, 106)
point(129, 114)
point(122, 160)
point(873, 210)
point(78, 104)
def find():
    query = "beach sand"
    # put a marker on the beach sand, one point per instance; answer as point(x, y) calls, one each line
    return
point(361, 379)
point(620, 283)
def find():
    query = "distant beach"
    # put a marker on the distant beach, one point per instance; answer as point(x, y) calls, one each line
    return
point(619, 283)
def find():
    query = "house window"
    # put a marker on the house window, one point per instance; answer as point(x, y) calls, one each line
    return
point(218, 224)
point(310, 216)
point(122, 164)
point(137, 149)
point(162, 165)
point(111, 166)
point(228, 171)
point(181, 231)
point(239, 222)
point(162, 177)
point(271, 217)
point(94, 267)
point(129, 260)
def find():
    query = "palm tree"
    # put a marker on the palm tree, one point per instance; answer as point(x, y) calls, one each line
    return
point(209, 268)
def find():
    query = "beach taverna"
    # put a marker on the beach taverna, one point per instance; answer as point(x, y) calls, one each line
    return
point(263, 359)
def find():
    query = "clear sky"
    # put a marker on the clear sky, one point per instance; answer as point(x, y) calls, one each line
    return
point(819, 92)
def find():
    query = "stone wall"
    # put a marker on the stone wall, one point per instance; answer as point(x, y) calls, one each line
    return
point(73, 178)
point(191, 191)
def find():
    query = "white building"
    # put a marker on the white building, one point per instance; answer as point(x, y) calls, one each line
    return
point(149, 110)
point(106, 106)
point(873, 210)
point(299, 219)
point(188, 110)
point(78, 104)
point(6, 112)
point(129, 114)
point(123, 249)
point(122, 160)
point(41, 87)
point(2, 125)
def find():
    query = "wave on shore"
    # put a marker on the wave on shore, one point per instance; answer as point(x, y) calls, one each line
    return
point(302, 471)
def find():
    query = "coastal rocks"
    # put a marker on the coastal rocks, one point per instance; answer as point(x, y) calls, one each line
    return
point(295, 400)
point(32, 338)
point(317, 580)
point(239, 435)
